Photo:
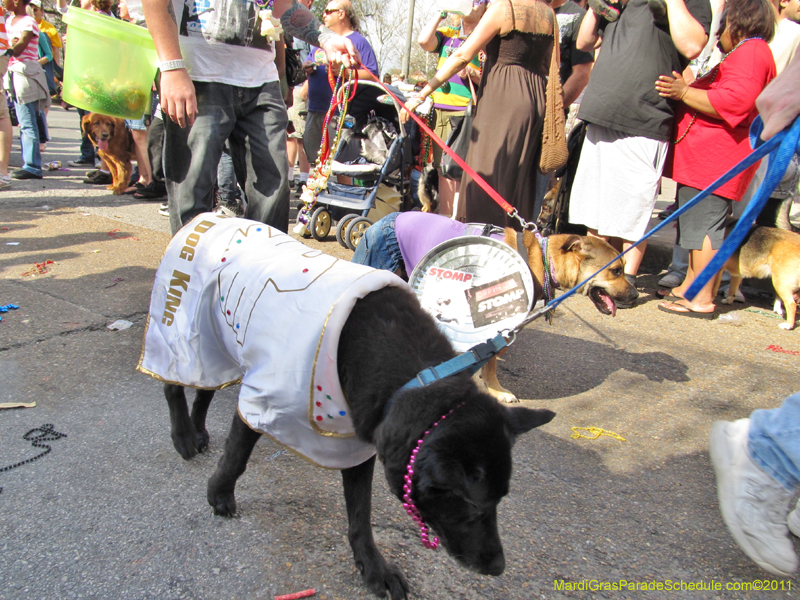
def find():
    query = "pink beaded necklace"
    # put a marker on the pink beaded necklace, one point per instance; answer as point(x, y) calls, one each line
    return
point(408, 503)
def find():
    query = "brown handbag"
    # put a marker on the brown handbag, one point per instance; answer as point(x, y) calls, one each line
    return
point(554, 151)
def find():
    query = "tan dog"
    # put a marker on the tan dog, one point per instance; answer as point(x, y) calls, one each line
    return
point(115, 146)
point(769, 252)
point(572, 258)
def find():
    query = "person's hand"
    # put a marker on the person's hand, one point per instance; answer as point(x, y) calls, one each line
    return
point(340, 51)
point(779, 103)
point(309, 67)
point(674, 87)
point(411, 105)
point(178, 99)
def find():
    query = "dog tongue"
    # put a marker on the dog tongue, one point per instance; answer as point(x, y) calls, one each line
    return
point(102, 145)
point(610, 304)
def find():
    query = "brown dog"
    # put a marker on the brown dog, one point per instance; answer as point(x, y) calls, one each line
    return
point(115, 146)
point(572, 258)
point(769, 252)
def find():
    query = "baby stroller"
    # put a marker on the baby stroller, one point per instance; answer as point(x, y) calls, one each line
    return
point(378, 154)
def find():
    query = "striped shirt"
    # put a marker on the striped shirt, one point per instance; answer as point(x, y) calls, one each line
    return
point(454, 93)
point(17, 26)
point(4, 45)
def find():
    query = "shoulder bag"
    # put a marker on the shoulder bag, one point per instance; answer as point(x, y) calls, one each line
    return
point(554, 152)
point(458, 141)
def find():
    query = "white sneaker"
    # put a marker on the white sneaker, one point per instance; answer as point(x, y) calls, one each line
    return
point(793, 520)
point(754, 506)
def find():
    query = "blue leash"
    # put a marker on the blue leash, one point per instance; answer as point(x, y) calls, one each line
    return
point(780, 149)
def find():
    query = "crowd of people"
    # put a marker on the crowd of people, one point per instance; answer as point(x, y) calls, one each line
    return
point(665, 88)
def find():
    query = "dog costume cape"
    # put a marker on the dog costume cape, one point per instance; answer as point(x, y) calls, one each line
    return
point(236, 300)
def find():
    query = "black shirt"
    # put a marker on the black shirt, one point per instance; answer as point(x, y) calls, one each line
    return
point(621, 94)
point(569, 17)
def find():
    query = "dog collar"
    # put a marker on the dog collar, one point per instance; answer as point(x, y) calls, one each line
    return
point(408, 502)
point(470, 361)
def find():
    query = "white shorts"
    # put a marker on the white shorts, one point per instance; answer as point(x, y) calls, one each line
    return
point(616, 185)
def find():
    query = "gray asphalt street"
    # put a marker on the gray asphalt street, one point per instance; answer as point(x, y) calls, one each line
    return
point(113, 512)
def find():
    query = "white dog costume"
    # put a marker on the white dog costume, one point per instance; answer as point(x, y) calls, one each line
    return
point(238, 301)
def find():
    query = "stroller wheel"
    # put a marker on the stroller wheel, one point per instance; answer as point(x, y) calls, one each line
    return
point(355, 230)
point(341, 229)
point(320, 224)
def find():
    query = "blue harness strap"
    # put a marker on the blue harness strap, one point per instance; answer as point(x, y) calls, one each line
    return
point(470, 361)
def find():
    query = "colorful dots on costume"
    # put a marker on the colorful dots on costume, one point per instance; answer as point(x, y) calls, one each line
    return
point(342, 413)
point(319, 418)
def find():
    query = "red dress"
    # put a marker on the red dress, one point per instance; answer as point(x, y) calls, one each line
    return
point(710, 147)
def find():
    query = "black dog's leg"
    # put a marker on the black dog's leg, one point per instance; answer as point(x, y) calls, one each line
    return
point(240, 443)
point(379, 576)
point(202, 400)
point(184, 435)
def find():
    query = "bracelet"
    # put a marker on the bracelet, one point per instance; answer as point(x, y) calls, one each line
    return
point(443, 15)
point(171, 65)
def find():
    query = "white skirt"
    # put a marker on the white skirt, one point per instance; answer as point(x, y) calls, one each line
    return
point(616, 185)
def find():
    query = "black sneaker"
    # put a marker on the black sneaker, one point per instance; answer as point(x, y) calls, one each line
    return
point(100, 178)
point(608, 10)
point(23, 174)
point(155, 190)
point(81, 162)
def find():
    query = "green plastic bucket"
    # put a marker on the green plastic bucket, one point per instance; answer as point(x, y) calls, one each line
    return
point(109, 65)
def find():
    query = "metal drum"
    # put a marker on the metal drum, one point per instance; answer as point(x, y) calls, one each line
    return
point(474, 287)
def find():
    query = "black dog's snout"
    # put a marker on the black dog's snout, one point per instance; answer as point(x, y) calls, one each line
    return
point(496, 566)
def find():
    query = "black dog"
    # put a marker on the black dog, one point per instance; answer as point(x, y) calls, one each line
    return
point(461, 471)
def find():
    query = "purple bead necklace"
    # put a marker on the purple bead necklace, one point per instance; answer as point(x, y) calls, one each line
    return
point(408, 503)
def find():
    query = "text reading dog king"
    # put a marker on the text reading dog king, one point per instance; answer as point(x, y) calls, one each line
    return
point(673, 585)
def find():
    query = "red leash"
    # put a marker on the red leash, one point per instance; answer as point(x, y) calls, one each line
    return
point(512, 212)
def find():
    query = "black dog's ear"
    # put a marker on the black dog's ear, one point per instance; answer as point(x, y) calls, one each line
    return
point(85, 122)
point(521, 420)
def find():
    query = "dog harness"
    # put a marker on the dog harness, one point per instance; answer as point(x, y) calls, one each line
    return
point(238, 301)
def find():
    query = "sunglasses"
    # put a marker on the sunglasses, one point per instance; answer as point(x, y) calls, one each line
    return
point(328, 11)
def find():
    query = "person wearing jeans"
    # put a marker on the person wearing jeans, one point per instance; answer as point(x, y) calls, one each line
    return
point(28, 85)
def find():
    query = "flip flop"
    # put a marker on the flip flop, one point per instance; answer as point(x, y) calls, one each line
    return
point(685, 311)
point(663, 293)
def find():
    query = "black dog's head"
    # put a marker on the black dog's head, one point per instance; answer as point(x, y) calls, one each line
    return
point(462, 473)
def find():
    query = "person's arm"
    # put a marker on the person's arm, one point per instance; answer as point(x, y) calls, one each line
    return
point(779, 103)
point(178, 99)
point(301, 23)
point(427, 39)
point(687, 33)
point(676, 88)
point(18, 47)
point(44, 49)
point(588, 35)
point(576, 82)
point(488, 27)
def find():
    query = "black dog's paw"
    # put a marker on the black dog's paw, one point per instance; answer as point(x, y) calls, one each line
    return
point(202, 439)
point(186, 443)
point(384, 578)
point(221, 500)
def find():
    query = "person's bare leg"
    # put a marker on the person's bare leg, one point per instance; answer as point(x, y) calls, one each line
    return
point(633, 259)
point(448, 188)
point(698, 260)
point(142, 159)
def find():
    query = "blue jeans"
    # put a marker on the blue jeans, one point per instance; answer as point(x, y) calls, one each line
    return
point(226, 179)
point(29, 136)
point(774, 441)
point(378, 247)
point(254, 121)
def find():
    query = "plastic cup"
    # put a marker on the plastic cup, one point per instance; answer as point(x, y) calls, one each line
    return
point(109, 65)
